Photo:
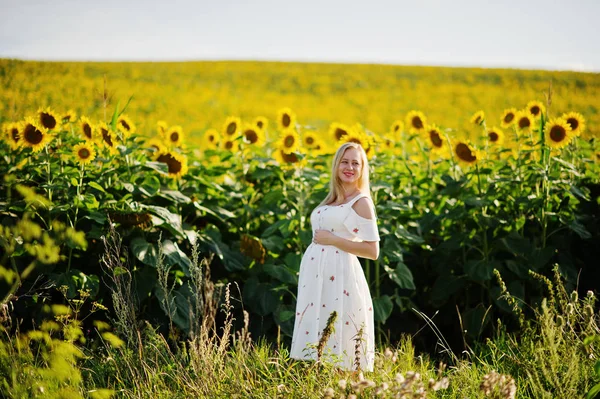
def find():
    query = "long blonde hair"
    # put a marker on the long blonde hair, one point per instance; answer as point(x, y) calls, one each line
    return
point(336, 190)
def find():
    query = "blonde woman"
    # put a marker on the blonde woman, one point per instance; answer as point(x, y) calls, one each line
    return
point(331, 278)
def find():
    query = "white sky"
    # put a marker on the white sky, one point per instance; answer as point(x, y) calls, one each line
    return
point(547, 34)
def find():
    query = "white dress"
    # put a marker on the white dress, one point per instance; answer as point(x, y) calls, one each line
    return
point(331, 279)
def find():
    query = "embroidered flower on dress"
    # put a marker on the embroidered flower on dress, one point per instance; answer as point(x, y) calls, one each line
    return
point(323, 305)
point(355, 230)
point(307, 333)
point(332, 278)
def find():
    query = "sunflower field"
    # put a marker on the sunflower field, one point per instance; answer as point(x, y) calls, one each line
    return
point(486, 184)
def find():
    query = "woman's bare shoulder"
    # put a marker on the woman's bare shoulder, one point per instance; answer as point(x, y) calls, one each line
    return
point(363, 207)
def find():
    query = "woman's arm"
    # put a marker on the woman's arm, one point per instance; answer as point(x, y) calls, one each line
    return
point(364, 249)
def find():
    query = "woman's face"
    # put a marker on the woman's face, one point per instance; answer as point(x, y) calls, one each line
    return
point(350, 166)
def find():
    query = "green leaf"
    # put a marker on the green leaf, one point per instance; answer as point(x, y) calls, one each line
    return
point(592, 393)
point(401, 276)
point(160, 167)
point(175, 256)
point(144, 251)
point(175, 196)
point(480, 270)
point(171, 221)
point(90, 201)
point(95, 185)
point(382, 308)
point(150, 186)
point(115, 116)
point(74, 182)
point(281, 273)
point(597, 368)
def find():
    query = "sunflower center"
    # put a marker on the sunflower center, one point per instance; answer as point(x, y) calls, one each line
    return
point(48, 121)
point(396, 128)
point(339, 133)
point(107, 137)
point(493, 136)
point(535, 110)
point(417, 122)
point(228, 145)
point(14, 132)
point(289, 158)
point(435, 138)
point(211, 138)
point(508, 118)
point(310, 140)
point(524, 123)
point(464, 152)
point(289, 141)
point(84, 153)
point(87, 130)
point(478, 119)
point(260, 124)
point(573, 122)
point(231, 128)
point(558, 133)
point(251, 136)
point(173, 164)
point(174, 137)
point(286, 120)
point(125, 125)
point(32, 135)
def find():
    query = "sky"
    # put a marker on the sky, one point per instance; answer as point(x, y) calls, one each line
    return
point(528, 34)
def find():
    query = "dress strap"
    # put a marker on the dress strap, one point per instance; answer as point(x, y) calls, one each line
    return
point(359, 196)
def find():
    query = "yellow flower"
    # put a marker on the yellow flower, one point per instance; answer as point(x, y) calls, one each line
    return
point(337, 131)
point(69, 116)
point(286, 119)
point(88, 131)
point(125, 126)
point(261, 122)
point(212, 139)
point(415, 120)
point(508, 118)
point(177, 163)
point(28, 230)
point(12, 133)
point(495, 136)
point(309, 139)
point(285, 159)
point(289, 141)
point(396, 129)
point(358, 137)
point(253, 135)
point(47, 253)
point(34, 136)
point(435, 138)
point(523, 121)
point(230, 144)
point(465, 153)
point(156, 145)
point(557, 133)
point(174, 136)
point(231, 127)
point(478, 118)
point(109, 139)
point(48, 119)
point(576, 121)
point(84, 153)
point(535, 109)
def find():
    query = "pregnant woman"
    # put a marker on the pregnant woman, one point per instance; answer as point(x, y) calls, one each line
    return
point(331, 278)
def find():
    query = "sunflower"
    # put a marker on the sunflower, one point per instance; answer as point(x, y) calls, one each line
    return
point(84, 152)
point(88, 131)
point(576, 121)
point(387, 143)
point(523, 122)
point(558, 133)
point(230, 144)
point(48, 119)
point(465, 153)
point(69, 116)
point(109, 139)
point(396, 129)
point(286, 119)
point(33, 135)
point(253, 135)
point(535, 109)
point(478, 118)
point(13, 135)
point(337, 131)
point(495, 136)
point(156, 145)
point(289, 141)
point(434, 138)
point(174, 136)
point(212, 139)
point(309, 139)
point(284, 158)
point(415, 120)
point(125, 126)
point(508, 118)
point(319, 148)
point(231, 127)
point(161, 128)
point(177, 163)
point(261, 122)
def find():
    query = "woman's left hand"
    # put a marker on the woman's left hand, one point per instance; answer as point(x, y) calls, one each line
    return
point(324, 237)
